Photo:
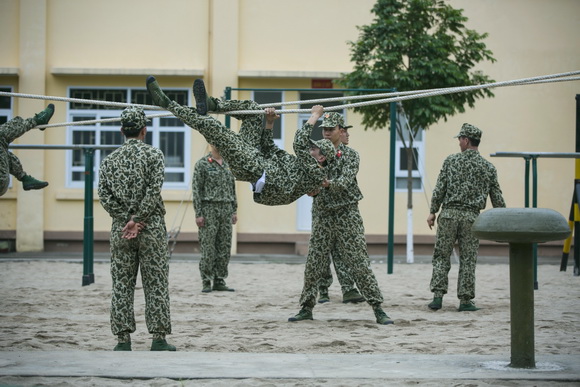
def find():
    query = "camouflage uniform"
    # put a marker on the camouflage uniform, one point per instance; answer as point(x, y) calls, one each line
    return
point(214, 199)
point(336, 221)
point(342, 273)
point(252, 152)
point(464, 182)
point(130, 181)
point(9, 163)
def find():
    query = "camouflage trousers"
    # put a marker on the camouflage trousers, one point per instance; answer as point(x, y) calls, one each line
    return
point(450, 230)
point(9, 163)
point(148, 253)
point(343, 228)
point(215, 240)
point(342, 274)
point(239, 150)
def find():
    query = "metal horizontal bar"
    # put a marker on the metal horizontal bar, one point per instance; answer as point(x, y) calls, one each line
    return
point(554, 155)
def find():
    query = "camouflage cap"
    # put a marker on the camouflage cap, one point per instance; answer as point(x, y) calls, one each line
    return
point(133, 117)
point(326, 148)
point(330, 120)
point(468, 130)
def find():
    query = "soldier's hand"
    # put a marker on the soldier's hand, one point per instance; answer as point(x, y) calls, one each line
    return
point(200, 221)
point(431, 220)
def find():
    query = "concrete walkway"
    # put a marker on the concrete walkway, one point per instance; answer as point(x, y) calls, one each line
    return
point(211, 365)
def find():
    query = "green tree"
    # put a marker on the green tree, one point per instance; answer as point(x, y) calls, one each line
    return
point(417, 45)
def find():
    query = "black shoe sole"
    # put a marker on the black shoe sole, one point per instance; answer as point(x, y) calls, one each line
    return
point(35, 186)
point(200, 96)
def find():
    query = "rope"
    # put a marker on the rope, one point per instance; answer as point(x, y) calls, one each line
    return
point(400, 96)
point(431, 93)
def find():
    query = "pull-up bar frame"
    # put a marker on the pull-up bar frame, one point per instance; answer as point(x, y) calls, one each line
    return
point(88, 232)
point(393, 140)
point(533, 157)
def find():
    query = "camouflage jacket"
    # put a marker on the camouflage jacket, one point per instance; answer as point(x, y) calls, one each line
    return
point(465, 181)
point(130, 181)
point(343, 189)
point(212, 183)
point(288, 177)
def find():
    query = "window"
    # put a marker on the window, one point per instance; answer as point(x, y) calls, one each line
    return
point(166, 133)
point(264, 97)
point(401, 162)
point(5, 106)
point(6, 112)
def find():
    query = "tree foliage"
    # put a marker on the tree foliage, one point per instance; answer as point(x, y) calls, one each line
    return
point(417, 45)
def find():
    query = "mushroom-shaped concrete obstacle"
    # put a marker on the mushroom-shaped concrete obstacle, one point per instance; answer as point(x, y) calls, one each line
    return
point(521, 228)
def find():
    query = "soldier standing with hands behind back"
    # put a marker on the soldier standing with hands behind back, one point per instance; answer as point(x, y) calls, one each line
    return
point(130, 181)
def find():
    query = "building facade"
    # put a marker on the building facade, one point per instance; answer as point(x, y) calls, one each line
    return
point(267, 50)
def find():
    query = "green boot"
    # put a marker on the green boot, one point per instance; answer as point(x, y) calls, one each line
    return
point(123, 347)
point(44, 116)
point(220, 286)
point(382, 317)
point(436, 304)
point(203, 103)
point(158, 96)
point(304, 314)
point(352, 296)
point(323, 296)
point(206, 286)
point(467, 306)
point(29, 182)
point(162, 345)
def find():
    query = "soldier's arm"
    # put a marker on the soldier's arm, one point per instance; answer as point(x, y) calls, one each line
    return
point(153, 185)
point(495, 193)
point(114, 207)
point(197, 183)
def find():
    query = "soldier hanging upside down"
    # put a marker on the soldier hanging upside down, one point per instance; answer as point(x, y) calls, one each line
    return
point(277, 177)
point(9, 163)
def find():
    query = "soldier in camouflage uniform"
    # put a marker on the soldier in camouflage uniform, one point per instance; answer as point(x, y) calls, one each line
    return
point(349, 291)
point(336, 220)
point(251, 154)
point(130, 181)
point(9, 163)
point(215, 205)
point(465, 181)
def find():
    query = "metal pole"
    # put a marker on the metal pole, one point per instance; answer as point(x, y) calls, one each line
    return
point(535, 205)
point(88, 242)
point(522, 306)
point(391, 243)
point(527, 183)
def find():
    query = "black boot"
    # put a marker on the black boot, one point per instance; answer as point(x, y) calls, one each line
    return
point(44, 116)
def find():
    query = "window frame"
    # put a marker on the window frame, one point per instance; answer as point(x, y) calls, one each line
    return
point(154, 134)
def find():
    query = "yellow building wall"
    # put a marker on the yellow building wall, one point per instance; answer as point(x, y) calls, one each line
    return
point(280, 44)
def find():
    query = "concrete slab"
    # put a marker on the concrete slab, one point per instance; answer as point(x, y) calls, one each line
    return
point(212, 365)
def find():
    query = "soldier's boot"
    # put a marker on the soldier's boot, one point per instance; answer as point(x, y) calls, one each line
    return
point(303, 314)
point(467, 306)
point(323, 296)
point(436, 304)
point(29, 182)
point(220, 286)
point(162, 345)
point(158, 96)
point(203, 102)
point(381, 316)
point(44, 116)
point(123, 347)
point(206, 286)
point(352, 296)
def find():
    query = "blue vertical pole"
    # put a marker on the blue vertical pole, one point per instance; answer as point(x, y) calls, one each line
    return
point(393, 139)
point(88, 275)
